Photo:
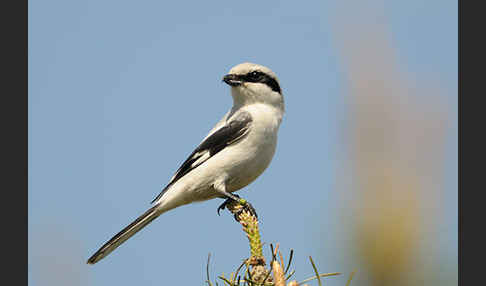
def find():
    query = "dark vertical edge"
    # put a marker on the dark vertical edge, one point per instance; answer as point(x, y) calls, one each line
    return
point(13, 138)
point(471, 143)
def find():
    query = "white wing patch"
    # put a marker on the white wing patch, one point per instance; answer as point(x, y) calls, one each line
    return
point(203, 156)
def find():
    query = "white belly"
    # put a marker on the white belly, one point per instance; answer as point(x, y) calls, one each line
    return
point(251, 165)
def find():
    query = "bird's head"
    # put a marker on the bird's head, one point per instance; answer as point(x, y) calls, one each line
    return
point(252, 83)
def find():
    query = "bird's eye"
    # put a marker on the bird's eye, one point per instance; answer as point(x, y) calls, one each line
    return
point(254, 75)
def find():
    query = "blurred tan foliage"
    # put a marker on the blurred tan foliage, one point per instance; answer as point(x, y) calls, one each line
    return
point(395, 141)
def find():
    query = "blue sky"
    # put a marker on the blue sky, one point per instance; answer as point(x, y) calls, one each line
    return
point(121, 92)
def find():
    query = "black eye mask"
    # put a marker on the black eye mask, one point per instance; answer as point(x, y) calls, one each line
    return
point(258, 76)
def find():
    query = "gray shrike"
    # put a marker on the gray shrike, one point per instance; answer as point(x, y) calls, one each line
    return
point(234, 153)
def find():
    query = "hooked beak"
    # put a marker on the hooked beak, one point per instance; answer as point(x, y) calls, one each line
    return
point(232, 79)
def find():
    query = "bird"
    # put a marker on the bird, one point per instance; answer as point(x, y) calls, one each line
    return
point(234, 153)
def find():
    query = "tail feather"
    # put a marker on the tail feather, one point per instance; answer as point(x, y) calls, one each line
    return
point(125, 234)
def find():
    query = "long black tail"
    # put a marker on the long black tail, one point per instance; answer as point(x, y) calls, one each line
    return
point(125, 234)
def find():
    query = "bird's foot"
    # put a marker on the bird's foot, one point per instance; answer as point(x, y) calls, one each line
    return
point(237, 206)
point(224, 205)
point(247, 207)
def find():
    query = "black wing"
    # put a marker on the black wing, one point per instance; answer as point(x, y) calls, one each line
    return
point(230, 133)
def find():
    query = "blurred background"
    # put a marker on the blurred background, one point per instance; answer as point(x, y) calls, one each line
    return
point(365, 173)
